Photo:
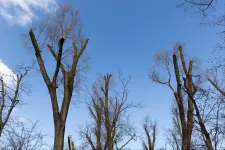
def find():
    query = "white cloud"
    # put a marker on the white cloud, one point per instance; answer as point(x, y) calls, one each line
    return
point(7, 74)
point(21, 12)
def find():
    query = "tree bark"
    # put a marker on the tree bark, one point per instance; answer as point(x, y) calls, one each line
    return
point(59, 137)
point(179, 98)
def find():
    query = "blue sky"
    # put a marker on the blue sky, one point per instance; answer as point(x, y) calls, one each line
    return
point(123, 34)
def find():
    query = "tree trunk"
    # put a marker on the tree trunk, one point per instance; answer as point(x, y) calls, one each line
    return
point(1, 128)
point(190, 108)
point(184, 143)
point(59, 137)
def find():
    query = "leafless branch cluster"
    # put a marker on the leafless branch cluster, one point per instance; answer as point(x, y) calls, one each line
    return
point(22, 135)
point(12, 87)
point(202, 6)
point(109, 108)
point(209, 9)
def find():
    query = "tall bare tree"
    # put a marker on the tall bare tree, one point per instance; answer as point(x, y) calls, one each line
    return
point(164, 59)
point(61, 36)
point(150, 132)
point(109, 112)
point(186, 87)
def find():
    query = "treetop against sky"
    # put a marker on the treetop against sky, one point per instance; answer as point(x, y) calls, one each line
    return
point(122, 35)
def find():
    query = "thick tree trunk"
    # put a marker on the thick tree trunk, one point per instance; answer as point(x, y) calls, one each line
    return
point(59, 137)
point(184, 143)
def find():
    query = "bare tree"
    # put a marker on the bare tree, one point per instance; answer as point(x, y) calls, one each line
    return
point(188, 88)
point(21, 136)
point(109, 110)
point(163, 58)
point(63, 29)
point(10, 93)
point(151, 137)
point(210, 10)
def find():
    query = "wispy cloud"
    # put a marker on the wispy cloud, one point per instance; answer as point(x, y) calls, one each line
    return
point(7, 74)
point(21, 12)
